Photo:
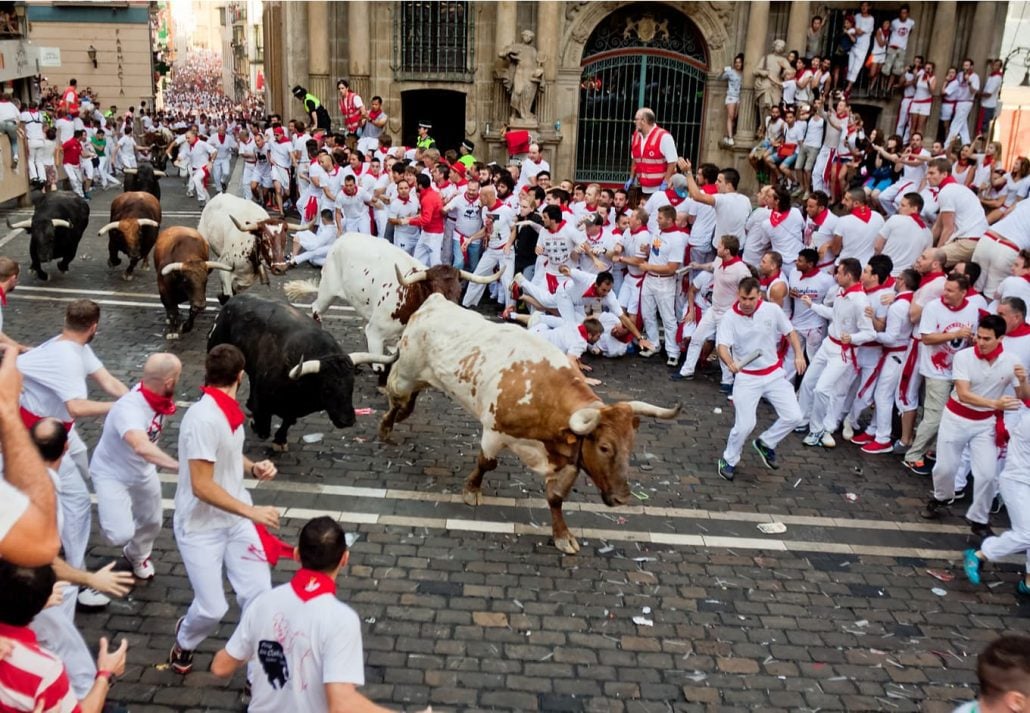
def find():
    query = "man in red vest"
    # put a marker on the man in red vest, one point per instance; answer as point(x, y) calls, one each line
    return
point(653, 152)
point(352, 109)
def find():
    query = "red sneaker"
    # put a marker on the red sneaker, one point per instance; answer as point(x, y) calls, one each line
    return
point(875, 447)
point(860, 439)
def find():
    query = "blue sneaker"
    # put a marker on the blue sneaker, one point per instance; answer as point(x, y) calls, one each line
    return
point(972, 564)
point(726, 471)
point(767, 454)
point(726, 389)
point(1021, 588)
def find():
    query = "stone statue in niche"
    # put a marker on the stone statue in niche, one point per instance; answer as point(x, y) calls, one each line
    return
point(523, 78)
point(769, 76)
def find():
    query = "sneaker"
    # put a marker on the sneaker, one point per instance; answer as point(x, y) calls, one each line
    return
point(518, 279)
point(961, 494)
point(725, 470)
point(900, 448)
point(877, 447)
point(861, 439)
point(92, 599)
point(803, 428)
point(997, 505)
point(726, 389)
point(971, 564)
point(933, 508)
point(676, 376)
point(1022, 588)
point(647, 353)
point(672, 361)
point(827, 440)
point(919, 467)
point(141, 569)
point(846, 431)
point(813, 439)
point(980, 530)
point(767, 454)
point(729, 141)
point(179, 659)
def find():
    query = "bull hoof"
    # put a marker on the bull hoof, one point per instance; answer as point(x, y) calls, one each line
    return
point(171, 336)
point(128, 276)
point(472, 498)
point(42, 275)
point(113, 262)
point(385, 434)
point(568, 544)
point(63, 267)
point(145, 265)
point(280, 447)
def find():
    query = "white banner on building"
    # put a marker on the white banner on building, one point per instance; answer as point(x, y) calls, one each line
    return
point(49, 56)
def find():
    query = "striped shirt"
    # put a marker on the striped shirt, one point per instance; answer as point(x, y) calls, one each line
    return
point(31, 674)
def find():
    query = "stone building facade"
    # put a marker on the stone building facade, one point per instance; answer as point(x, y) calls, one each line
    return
point(441, 61)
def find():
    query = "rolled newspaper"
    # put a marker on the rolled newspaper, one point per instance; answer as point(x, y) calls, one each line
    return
point(749, 358)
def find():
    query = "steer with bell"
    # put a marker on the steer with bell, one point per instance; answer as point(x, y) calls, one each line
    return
point(529, 398)
point(56, 227)
point(294, 366)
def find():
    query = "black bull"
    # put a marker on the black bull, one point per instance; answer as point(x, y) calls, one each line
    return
point(56, 228)
point(295, 368)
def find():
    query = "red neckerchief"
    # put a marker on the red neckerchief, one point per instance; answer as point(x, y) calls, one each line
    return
point(919, 221)
point(221, 138)
point(373, 115)
point(857, 287)
point(776, 217)
point(443, 186)
point(988, 160)
point(946, 181)
point(710, 188)
point(497, 205)
point(558, 228)
point(736, 308)
point(192, 143)
point(3, 297)
point(674, 198)
point(163, 405)
point(884, 286)
point(862, 212)
point(961, 305)
point(996, 74)
point(350, 192)
point(1020, 331)
point(637, 231)
point(904, 297)
point(991, 356)
point(471, 197)
point(811, 273)
point(282, 139)
point(929, 277)
point(766, 281)
point(592, 292)
point(229, 407)
point(590, 208)
point(842, 115)
point(308, 584)
point(583, 333)
point(971, 292)
point(731, 261)
point(821, 218)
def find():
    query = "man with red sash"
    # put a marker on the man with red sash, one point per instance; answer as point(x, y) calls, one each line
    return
point(894, 334)
point(808, 280)
point(216, 524)
point(632, 252)
point(653, 153)
point(54, 386)
point(658, 298)
point(834, 367)
point(946, 326)
point(556, 244)
point(819, 228)
point(974, 417)
point(1000, 246)
point(961, 221)
point(751, 332)
point(307, 641)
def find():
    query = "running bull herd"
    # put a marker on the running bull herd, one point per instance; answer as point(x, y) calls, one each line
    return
point(525, 393)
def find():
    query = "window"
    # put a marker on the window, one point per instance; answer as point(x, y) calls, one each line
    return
point(221, 16)
point(433, 40)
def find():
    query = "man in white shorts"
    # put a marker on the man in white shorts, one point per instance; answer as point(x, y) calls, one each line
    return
point(126, 459)
point(215, 521)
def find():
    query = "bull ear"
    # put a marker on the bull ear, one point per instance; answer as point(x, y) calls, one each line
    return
point(585, 420)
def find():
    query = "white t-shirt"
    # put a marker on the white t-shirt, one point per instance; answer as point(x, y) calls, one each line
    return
point(1015, 286)
point(300, 646)
point(667, 247)
point(635, 244)
point(113, 457)
point(501, 225)
point(65, 129)
point(815, 286)
point(731, 213)
point(760, 332)
point(13, 505)
point(900, 32)
point(54, 373)
point(9, 112)
point(987, 379)
point(992, 88)
point(726, 278)
point(34, 125)
point(204, 435)
point(970, 221)
point(905, 241)
point(915, 174)
point(858, 236)
point(1015, 226)
point(567, 338)
point(935, 360)
point(199, 154)
point(530, 169)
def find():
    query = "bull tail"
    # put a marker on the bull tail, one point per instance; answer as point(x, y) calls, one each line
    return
point(295, 289)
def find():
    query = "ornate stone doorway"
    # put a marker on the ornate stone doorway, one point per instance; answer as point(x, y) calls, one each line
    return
point(643, 54)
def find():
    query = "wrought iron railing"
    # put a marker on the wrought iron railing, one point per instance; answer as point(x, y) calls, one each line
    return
point(434, 40)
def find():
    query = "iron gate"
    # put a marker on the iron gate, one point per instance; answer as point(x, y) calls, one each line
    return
point(646, 54)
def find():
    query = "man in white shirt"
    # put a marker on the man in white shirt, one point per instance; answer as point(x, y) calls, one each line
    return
point(1001, 243)
point(751, 332)
point(969, 89)
point(126, 459)
point(495, 235)
point(305, 640)
point(34, 124)
point(731, 208)
point(904, 237)
point(533, 165)
point(200, 156)
point(897, 46)
point(224, 144)
point(989, 97)
point(215, 520)
point(405, 205)
point(807, 280)
point(658, 297)
point(653, 153)
point(855, 232)
point(913, 173)
point(1018, 283)
point(961, 221)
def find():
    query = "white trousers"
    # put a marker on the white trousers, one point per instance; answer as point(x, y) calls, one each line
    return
point(315, 256)
point(104, 172)
point(629, 293)
point(995, 260)
point(37, 152)
point(889, 196)
point(204, 554)
point(196, 184)
point(856, 58)
point(360, 223)
point(827, 380)
point(953, 436)
point(490, 261)
point(539, 292)
point(427, 249)
point(220, 171)
point(748, 389)
point(819, 170)
point(854, 402)
point(1017, 500)
point(810, 341)
point(884, 393)
point(129, 509)
point(960, 123)
point(74, 174)
point(705, 330)
point(658, 299)
point(903, 121)
point(55, 628)
point(74, 501)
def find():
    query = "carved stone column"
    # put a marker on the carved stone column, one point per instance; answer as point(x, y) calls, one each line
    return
point(505, 31)
point(318, 52)
point(942, 43)
point(295, 54)
point(797, 26)
point(981, 35)
point(747, 114)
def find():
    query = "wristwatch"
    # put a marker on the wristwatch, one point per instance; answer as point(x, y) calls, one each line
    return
point(108, 675)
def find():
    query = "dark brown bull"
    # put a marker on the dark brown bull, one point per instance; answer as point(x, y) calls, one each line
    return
point(182, 266)
point(135, 218)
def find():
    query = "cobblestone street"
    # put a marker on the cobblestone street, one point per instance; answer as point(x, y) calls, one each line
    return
point(676, 603)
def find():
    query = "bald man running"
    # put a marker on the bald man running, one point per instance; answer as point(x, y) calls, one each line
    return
point(125, 463)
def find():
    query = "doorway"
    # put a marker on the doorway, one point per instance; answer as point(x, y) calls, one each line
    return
point(444, 108)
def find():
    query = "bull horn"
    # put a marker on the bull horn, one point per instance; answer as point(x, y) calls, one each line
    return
point(147, 222)
point(480, 279)
point(585, 420)
point(20, 225)
point(304, 368)
point(160, 174)
point(212, 265)
point(642, 408)
point(358, 358)
point(59, 223)
point(130, 171)
point(106, 228)
point(245, 228)
point(293, 227)
point(171, 267)
point(411, 279)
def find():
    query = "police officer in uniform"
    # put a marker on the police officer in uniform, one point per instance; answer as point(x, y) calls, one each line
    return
point(316, 111)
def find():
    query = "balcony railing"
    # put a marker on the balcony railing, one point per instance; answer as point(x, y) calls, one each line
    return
point(434, 40)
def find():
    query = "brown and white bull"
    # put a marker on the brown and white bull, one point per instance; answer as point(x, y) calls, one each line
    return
point(182, 266)
point(529, 398)
point(242, 235)
point(135, 218)
point(382, 283)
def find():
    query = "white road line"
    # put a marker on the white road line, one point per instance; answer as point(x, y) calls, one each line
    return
point(145, 295)
point(8, 238)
